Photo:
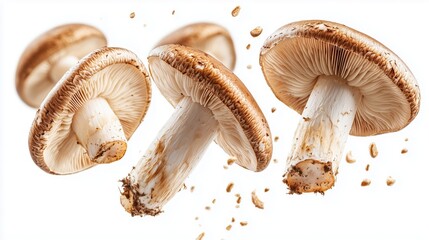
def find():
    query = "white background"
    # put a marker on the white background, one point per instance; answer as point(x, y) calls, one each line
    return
point(36, 205)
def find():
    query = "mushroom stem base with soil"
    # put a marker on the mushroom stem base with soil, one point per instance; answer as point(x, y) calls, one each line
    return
point(99, 131)
point(321, 136)
point(160, 174)
point(61, 66)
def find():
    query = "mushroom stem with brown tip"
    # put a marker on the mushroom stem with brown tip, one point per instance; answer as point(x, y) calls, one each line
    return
point(321, 136)
point(61, 66)
point(99, 131)
point(170, 159)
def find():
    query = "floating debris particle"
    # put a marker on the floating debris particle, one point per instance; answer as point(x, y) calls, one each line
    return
point(365, 182)
point(256, 31)
point(200, 237)
point(373, 151)
point(390, 181)
point(256, 201)
point(248, 46)
point(404, 150)
point(132, 15)
point(229, 187)
point(235, 11)
point(350, 158)
point(243, 223)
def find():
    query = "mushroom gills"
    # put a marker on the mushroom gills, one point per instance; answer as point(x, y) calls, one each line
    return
point(321, 136)
point(99, 131)
point(160, 173)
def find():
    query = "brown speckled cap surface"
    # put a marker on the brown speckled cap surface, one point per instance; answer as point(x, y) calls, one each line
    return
point(32, 78)
point(296, 54)
point(115, 74)
point(180, 71)
point(203, 36)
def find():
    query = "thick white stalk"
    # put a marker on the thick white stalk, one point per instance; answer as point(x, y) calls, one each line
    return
point(321, 136)
point(61, 66)
point(160, 174)
point(99, 131)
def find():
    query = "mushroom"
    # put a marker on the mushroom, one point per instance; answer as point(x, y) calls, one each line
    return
point(49, 56)
point(91, 112)
point(207, 37)
point(342, 82)
point(210, 103)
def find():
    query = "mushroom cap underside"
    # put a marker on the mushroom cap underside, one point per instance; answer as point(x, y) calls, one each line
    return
point(180, 71)
point(33, 82)
point(115, 74)
point(211, 38)
point(295, 55)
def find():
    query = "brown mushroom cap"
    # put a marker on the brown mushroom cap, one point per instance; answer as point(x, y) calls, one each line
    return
point(295, 55)
point(207, 37)
point(114, 74)
point(32, 74)
point(180, 71)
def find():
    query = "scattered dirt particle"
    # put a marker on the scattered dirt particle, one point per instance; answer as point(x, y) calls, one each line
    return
point(256, 31)
point(207, 208)
point(197, 218)
point(192, 189)
point(231, 161)
point(367, 167)
point(273, 109)
point(404, 150)
point(276, 138)
point(256, 201)
point(365, 182)
point(350, 158)
point(232, 219)
point(248, 46)
point(243, 223)
point(229, 187)
point(132, 15)
point(266, 189)
point(235, 11)
point(406, 139)
point(225, 167)
point(306, 119)
point(228, 227)
point(275, 160)
point(249, 66)
point(214, 201)
point(173, 12)
point(237, 206)
point(390, 181)
point(373, 151)
point(238, 198)
point(200, 237)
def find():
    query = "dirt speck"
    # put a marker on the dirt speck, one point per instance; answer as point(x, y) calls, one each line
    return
point(273, 109)
point(256, 201)
point(229, 187)
point(365, 182)
point(390, 181)
point(367, 167)
point(228, 227)
point(231, 161)
point(404, 150)
point(132, 15)
point(350, 158)
point(248, 46)
point(235, 11)
point(243, 223)
point(201, 236)
point(173, 12)
point(373, 151)
point(256, 31)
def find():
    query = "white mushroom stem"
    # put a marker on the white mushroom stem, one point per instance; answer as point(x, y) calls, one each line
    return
point(161, 172)
point(61, 66)
point(99, 131)
point(321, 136)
